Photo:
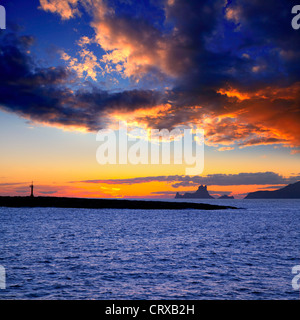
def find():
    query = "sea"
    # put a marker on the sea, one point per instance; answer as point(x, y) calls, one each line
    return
point(109, 254)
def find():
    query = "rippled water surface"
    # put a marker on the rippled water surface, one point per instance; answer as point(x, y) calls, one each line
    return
point(248, 253)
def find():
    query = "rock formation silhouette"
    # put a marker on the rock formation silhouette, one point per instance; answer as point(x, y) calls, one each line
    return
point(201, 193)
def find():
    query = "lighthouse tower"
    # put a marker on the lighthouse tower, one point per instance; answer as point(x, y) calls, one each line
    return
point(31, 187)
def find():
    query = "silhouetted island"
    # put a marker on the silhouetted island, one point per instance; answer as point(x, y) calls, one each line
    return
point(61, 202)
point(201, 193)
point(225, 196)
point(291, 191)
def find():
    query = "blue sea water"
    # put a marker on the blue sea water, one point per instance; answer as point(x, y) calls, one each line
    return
point(249, 253)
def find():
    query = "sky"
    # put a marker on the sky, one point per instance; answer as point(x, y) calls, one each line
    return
point(69, 68)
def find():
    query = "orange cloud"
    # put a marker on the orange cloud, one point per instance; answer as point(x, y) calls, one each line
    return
point(133, 47)
point(140, 117)
point(226, 148)
point(233, 14)
point(65, 8)
point(88, 65)
point(130, 51)
point(234, 93)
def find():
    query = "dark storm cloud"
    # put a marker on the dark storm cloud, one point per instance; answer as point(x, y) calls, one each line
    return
point(218, 39)
point(257, 178)
point(43, 94)
point(246, 45)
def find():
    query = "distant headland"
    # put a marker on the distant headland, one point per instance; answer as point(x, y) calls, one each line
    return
point(84, 203)
point(291, 191)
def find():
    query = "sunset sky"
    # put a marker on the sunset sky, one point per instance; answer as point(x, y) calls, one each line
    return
point(69, 68)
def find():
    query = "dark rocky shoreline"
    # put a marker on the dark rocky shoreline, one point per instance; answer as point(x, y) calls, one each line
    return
point(61, 202)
